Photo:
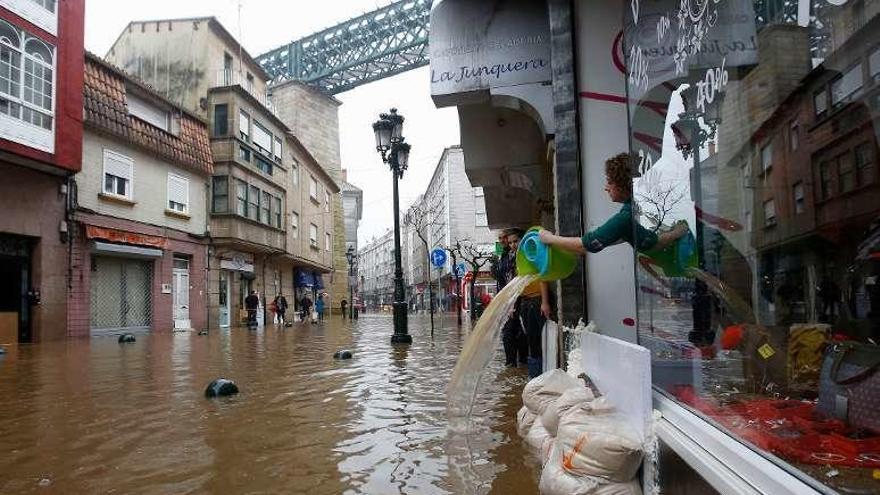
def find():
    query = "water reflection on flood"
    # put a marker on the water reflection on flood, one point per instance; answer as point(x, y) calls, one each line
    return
point(94, 416)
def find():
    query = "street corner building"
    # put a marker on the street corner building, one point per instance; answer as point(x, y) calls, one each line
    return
point(139, 237)
point(40, 150)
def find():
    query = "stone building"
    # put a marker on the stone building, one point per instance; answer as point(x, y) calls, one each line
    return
point(353, 210)
point(140, 233)
point(40, 150)
point(376, 272)
point(271, 201)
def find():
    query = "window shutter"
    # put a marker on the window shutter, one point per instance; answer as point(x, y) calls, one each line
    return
point(147, 112)
point(118, 165)
point(178, 189)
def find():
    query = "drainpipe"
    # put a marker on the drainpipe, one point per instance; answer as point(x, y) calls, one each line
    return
point(208, 251)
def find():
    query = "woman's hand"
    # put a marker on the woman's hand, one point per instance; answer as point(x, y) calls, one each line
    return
point(545, 310)
point(546, 236)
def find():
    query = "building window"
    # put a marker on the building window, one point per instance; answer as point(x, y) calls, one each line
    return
point(313, 188)
point(241, 196)
point(846, 86)
point(825, 175)
point(244, 125)
point(276, 211)
point(148, 112)
point(313, 235)
point(262, 165)
point(244, 154)
point(118, 172)
point(799, 204)
point(266, 208)
point(769, 213)
point(327, 241)
point(253, 198)
point(820, 102)
point(221, 119)
point(864, 164)
point(874, 64)
point(27, 67)
point(846, 175)
point(220, 194)
point(793, 137)
point(262, 139)
point(294, 224)
point(294, 173)
point(326, 202)
point(178, 193)
point(277, 150)
point(766, 157)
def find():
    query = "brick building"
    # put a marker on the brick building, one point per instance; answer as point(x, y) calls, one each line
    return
point(140, 233)
point(40, 149)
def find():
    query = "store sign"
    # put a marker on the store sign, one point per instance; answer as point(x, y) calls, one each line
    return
point(482, 45)
point(237, 263)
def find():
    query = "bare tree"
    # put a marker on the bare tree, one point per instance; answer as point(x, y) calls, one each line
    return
point(419, 217)
point(476, 258)
point(658, 197)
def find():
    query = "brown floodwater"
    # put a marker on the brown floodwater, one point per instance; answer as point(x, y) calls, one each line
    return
point(95, 416)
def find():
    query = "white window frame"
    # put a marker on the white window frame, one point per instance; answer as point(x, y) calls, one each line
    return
point(149, 113)
point(294, 224)
point(313, 235)
point(820, 102)
point(184, 181)
point(799, 195)
point(326, 201)
point(16, 127)
point(852, 75)
point(313, 188)
point(125, 160)
point(294, 173)
point(264, 135)
point(769, 213)
point(278, 149)
point(327, 241)
point(767, 156)
point(244, 125)
point(36, 13)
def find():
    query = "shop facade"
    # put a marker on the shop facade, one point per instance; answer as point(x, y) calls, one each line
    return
point(755, 123)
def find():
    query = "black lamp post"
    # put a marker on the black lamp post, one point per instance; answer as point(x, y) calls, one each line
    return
point(395, 152)
point(351, 256)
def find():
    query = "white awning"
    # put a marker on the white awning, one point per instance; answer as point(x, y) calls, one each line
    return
point(126, 250)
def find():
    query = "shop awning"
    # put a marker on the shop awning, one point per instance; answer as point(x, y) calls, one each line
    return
point(125, 250)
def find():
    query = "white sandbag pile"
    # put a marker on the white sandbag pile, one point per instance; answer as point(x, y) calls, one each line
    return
point(585, 445)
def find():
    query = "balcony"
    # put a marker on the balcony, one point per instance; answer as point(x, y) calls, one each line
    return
point(234, 78)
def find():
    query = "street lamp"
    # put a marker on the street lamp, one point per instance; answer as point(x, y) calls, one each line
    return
point(351, 256)
point(395, 152)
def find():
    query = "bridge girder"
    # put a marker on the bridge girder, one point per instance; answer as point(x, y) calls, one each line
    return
point(387, 41)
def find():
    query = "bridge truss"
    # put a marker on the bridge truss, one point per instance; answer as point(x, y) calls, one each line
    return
point(382, 43)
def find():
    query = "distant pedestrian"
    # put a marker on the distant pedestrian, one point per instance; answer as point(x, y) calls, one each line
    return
point(343, 304)
point(251, 303)
point(319, 307)
point(280, 303)
point(306, 307)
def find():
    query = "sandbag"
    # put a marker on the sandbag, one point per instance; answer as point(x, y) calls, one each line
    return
point(556, 481)
point(570, 398)
point(524, 421)
point(544, 389)
point(546, 449)
point(596, 441)
point(537, 434)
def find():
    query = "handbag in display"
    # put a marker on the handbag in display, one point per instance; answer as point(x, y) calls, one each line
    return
point(849, 384)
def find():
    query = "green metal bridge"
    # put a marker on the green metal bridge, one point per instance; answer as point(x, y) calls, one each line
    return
point(394, 39)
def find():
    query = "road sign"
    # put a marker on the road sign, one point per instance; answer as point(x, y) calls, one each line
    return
point(459, 269)
point(438, 257)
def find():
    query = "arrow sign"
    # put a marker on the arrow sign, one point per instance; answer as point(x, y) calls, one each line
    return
point(438, 257)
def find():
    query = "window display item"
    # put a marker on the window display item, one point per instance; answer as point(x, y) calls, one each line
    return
point(849, 385)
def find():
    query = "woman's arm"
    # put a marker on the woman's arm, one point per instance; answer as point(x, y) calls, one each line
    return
point(545, 300)
point(667, 238)
point(571, 244)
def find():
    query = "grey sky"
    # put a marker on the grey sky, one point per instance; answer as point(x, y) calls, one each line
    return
point(267, 24)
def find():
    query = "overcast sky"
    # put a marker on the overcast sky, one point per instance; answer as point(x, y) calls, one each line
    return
point(266, 24)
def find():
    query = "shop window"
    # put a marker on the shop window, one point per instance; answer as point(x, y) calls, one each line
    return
point(221, 119)
point(244, 125)
point(846, 86)
point(745, 324)
point(178, 193)
point(294, 225)
point(864, 164)
point(220, 194)
point(799, 203)
point(846, 175)
point(118, 172)
point(241, 194)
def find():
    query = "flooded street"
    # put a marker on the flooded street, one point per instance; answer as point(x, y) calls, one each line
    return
point(94, 416)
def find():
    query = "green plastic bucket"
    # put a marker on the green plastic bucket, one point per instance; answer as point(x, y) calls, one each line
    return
point(535, 257)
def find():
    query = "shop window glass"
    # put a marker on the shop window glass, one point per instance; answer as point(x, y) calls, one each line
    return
point(746, 313)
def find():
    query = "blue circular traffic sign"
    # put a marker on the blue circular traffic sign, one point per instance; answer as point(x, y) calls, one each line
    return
point(438, 257)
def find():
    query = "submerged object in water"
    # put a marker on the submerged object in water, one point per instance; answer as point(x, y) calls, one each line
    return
point(221, 387)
